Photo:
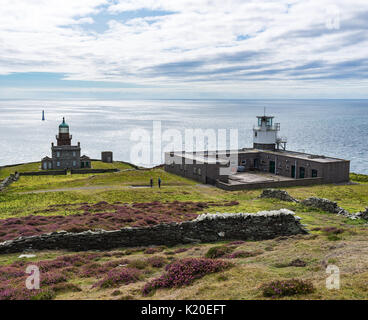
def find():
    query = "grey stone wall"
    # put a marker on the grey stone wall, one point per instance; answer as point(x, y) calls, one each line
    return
point(44, 173)
point(84, 171)
point(205, 228)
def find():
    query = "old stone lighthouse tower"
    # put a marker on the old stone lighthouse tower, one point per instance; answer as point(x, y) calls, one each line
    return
point(64, 154)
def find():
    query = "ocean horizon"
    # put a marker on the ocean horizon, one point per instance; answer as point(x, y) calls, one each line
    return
point(330, 127)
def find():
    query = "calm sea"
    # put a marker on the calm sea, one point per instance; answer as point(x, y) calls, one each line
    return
point(336, 128)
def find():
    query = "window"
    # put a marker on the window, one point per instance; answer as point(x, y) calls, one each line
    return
point(244, 162)
point(45, 165)
point(58, 164)
point(58, 154)
point(194, 170)
point(74, 163)
point(74, 153)
point(314, 173)
point(255, 134)
point(50, 165)
point(199, 171)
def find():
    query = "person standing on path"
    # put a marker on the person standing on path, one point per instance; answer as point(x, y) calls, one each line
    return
point(159, 182)
point(151, 182)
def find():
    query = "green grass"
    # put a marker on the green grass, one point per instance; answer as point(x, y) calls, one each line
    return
point(356, 177)
point(347, 250)
point(6, 171)
point(113, 187)
point(115, 165)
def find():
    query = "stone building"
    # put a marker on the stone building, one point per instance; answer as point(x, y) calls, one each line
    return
point(64, 155)
point(267, 164)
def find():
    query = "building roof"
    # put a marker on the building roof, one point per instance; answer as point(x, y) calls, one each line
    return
point(63, 124)
point(210, 156)
point(46, 158)
point(84, 157)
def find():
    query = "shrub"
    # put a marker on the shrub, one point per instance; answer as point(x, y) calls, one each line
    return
point(297, 263)
point(217, 252)
point(290, 287)
point(66, 287)
point(184, 272)
point(156, 261)
point(332, 230)
point(138, 264)
point(244, 254)
point(235, 243)
point(333, 237)
point(117, 277)
point(180, 250)
point(153, 250)
point(116, 293)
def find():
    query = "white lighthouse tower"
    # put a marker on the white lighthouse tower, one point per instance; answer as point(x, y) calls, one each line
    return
point(265, 135)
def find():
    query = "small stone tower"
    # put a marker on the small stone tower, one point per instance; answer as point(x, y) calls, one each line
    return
point(64, 138)
point(265, 135)
point(106, 156)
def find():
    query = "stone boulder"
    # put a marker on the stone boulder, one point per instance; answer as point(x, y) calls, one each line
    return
point(277, 194)
point(363, 214)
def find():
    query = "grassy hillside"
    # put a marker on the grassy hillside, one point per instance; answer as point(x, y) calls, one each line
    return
point(332, 239)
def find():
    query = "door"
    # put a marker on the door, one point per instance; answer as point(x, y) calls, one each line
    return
point(301, 172)
point(272, 166)
point(256, 163)
point(293, 171)
point(82, 164)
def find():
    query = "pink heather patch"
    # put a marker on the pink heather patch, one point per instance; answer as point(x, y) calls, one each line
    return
point(102, 215)
point(156, 262)
point(184, 272)
point(117, 277)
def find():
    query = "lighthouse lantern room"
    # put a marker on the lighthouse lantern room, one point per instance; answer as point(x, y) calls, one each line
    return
point(64, 138)
point(265, 135)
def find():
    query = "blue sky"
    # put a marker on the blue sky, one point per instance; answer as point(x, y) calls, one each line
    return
point(183, 49)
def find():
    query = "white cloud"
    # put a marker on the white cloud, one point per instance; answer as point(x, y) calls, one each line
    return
point(199, 42)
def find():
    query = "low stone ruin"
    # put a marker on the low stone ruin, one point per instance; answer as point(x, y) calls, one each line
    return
point(277, 194)
point(323, 204)
point(315, 202)
point(329, 206)
point(9, 180)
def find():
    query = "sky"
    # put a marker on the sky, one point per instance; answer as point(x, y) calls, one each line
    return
point(176, 49)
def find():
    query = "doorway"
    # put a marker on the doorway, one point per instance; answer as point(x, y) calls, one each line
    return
point(272, 167)
point(293, 171)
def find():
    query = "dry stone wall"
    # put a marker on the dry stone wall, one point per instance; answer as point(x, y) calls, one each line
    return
point(205, 228)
